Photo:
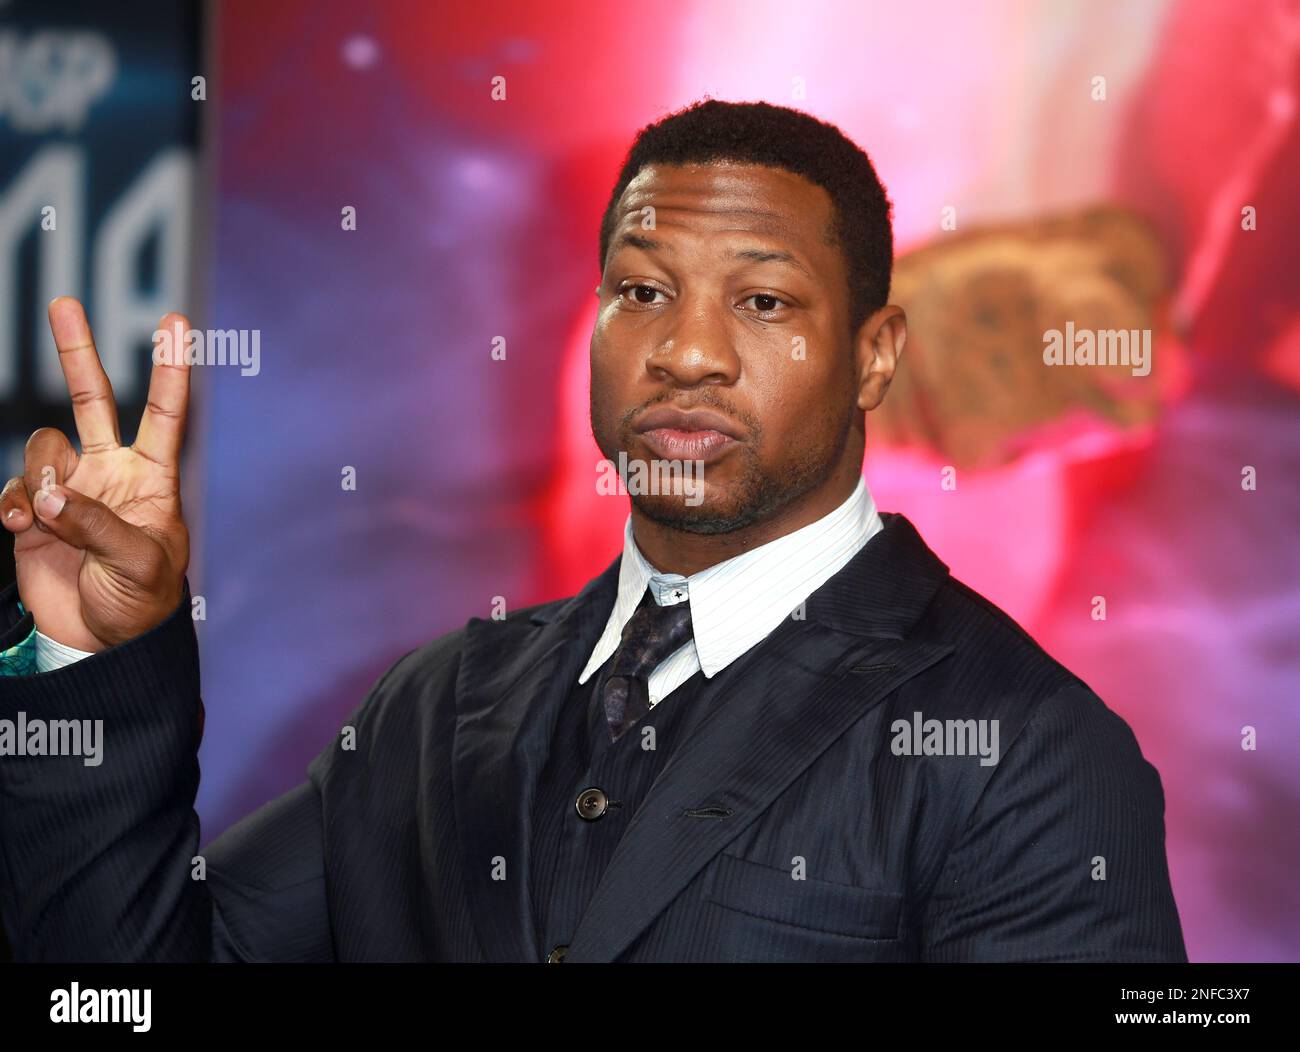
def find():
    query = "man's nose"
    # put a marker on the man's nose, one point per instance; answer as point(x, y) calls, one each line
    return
point(696, 349)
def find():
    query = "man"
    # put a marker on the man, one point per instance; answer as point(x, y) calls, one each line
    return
point(774, 729)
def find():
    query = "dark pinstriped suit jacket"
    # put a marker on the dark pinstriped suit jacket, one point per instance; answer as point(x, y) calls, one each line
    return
point(389, 851)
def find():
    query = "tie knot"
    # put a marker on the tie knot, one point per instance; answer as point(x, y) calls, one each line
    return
point(650, 635)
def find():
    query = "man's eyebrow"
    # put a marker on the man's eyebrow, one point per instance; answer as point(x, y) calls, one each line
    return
point(759, 255)
point(755, 255)
point(649, 244)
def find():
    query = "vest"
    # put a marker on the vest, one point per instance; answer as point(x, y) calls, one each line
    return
point(589, 790)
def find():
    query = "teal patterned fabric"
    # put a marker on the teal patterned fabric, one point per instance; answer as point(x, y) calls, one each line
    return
point(20, 659)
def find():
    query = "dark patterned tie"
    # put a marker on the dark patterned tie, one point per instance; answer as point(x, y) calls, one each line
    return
point(650, 635)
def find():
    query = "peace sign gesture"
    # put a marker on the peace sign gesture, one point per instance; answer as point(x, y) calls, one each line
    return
point(100, 546)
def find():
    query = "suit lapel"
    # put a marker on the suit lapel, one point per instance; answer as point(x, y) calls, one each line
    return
point(782, 705)
point(508, 697)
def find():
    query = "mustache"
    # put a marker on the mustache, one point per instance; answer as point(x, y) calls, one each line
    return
point(708, 400)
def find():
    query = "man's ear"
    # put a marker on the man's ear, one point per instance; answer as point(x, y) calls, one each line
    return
point(878, 347)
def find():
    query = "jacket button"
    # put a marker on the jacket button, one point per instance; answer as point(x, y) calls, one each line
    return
point(556, 956)
point(592, 803)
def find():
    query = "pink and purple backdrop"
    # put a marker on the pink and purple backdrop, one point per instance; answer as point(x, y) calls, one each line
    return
point(478, 218)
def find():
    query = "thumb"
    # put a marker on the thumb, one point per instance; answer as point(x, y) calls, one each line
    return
point(85, 523)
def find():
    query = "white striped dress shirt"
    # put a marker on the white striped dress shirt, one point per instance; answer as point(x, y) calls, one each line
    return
point(737, 603)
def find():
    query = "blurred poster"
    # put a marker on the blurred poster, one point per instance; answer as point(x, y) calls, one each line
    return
point(99, 119)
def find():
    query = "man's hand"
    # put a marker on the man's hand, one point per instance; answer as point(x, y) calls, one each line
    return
point(100, 546)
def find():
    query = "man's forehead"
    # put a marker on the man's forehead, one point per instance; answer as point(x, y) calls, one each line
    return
point(766, 199)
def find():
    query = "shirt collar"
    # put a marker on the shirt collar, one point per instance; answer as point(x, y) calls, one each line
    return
point(738, 602)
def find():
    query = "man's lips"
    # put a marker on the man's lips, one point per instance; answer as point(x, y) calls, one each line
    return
point(674, 419)
point(669, 443)
point(687, 434)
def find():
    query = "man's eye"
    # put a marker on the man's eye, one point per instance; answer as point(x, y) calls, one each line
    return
point(642, 294)
point(765, 303)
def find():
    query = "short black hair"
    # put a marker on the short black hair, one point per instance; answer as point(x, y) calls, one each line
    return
point(780, 137)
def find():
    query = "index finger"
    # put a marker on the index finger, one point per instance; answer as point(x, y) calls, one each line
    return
point(93, 407)
point(162, 427)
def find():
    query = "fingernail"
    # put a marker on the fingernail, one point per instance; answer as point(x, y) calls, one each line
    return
point(10, 514)
point(49, 503)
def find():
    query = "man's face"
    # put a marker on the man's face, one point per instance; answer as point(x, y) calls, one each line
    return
point(733, 302)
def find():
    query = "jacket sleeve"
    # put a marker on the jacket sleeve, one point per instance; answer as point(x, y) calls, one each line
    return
point(1063, 856)
point(99, 850)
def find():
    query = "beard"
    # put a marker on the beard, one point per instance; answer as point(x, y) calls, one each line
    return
point(757, 492)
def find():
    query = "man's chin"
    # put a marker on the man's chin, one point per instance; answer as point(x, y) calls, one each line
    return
point(708, 516)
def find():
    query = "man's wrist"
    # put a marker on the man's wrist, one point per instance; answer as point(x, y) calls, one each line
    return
point(35, 652)
point(51, 654)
